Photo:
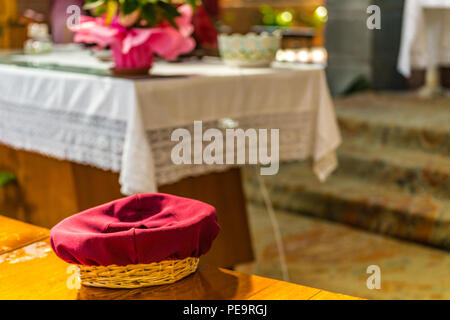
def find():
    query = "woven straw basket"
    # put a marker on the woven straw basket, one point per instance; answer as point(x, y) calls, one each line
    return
point(137, 275)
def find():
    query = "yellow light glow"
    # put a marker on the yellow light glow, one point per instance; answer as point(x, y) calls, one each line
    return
point(321, 12)
point(284, 18)
point(280, 55)
point(289, 55)
point(319, 55)
point(303, 55)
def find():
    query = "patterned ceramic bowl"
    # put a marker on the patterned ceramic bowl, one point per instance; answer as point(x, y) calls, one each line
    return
point(249, 50)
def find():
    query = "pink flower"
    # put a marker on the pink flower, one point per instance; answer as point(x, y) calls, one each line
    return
point(94, 30)
point(134, 48)
point(181, 40)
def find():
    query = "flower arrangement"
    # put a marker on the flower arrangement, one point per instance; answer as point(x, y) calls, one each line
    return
point(137, 29)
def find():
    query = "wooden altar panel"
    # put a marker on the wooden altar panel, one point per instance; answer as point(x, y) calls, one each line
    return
point(224, 191)
point(49, 190)
point(45, 191)
point(242, 15)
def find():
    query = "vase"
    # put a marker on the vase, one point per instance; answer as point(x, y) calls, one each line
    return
point(137, 61)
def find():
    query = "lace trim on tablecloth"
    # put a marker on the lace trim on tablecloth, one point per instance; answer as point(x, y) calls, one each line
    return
point(295, 144)
point(99, 142)
point(89, 140)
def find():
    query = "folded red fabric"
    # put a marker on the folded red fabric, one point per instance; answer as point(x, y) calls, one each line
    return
point(140, 229)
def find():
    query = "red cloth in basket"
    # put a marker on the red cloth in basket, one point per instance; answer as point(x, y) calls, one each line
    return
point(140, 229)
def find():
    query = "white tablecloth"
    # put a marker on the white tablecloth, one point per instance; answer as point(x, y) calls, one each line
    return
point(125, 125)
point(425, 35)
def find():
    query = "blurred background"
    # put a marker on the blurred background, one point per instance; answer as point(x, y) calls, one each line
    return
point(388, 204)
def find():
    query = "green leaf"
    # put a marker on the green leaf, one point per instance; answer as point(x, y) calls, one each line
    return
point(193, 4)
point(148, 13)
point(169, 9)
point(93, 4)
point(169, 12)
point(144, 2)
point(129, 6)
point(99, 11)
point(6, 177)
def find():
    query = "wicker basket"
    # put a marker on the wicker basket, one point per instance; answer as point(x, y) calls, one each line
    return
point(137, 275)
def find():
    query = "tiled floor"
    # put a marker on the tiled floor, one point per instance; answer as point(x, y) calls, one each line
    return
point(335, 257)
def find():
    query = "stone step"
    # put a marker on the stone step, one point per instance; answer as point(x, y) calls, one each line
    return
point(413, 171)
point(397, 120)
point(377, 207)
point(335, 257)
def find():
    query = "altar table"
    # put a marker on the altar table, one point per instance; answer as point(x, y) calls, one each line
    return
point(125, 125)
point(71, 133)
point(425, 40)
point(29, 269)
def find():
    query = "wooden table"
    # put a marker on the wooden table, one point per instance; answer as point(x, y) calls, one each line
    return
point(30, 270)
point(48, 190)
